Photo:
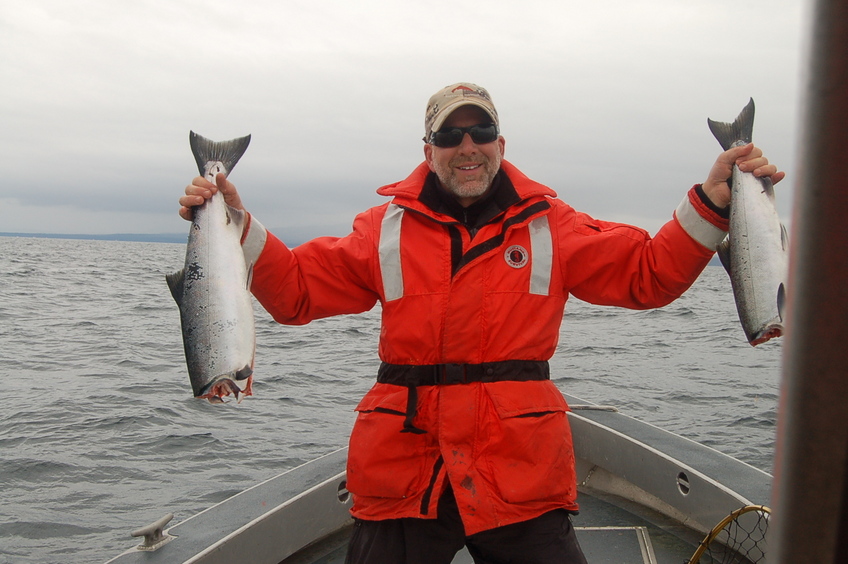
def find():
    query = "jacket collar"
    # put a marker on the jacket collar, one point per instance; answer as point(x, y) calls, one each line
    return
point(407, 192)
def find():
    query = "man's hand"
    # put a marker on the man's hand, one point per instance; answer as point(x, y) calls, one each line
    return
point(749, 159)
point(201, 190)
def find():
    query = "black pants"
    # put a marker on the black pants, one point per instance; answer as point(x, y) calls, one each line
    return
point(547, 539)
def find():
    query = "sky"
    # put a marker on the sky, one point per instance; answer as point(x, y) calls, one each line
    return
point(606, 101)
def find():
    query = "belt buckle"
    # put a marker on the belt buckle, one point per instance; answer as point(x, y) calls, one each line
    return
point(453, 374)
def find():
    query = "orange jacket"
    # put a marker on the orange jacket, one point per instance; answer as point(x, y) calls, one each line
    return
point(447, 297)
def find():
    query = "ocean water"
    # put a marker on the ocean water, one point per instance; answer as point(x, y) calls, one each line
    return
point(99, 433)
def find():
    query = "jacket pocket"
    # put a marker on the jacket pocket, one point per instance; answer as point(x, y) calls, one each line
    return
point(383, 461)
point(530, 453)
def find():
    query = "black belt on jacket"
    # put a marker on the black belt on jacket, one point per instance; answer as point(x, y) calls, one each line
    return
point(412, 376)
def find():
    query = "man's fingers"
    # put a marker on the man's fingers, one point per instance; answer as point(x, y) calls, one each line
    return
point(196, 193)
point(736, 155)
point(191, 200)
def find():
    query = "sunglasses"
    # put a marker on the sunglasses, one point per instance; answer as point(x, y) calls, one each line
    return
point(452, 136)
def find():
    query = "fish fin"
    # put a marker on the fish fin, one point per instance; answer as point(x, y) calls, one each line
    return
point(227, 153)
point(723, 252)
point(784, 237)
point(781, 300)
point(176, 281)
point(740, 132)
point(768, 187)
point(236, 221)
point(244, 373)
point(249, 280)
point(238, 218)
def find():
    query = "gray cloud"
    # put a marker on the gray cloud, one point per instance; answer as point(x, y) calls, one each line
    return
point(605, 102)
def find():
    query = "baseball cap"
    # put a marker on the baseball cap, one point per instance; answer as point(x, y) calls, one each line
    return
point(449, 98)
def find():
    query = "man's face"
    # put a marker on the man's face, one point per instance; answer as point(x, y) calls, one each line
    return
point(468, 169)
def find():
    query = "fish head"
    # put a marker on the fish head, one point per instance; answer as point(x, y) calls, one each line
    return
point(770, 332)
point(238, 385)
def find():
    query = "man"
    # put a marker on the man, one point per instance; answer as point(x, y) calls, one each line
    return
point(464, 439)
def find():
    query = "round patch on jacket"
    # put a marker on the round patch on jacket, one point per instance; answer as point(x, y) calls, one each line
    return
point(516, 256)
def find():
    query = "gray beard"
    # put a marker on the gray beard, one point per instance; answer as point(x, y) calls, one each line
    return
point(473, 189)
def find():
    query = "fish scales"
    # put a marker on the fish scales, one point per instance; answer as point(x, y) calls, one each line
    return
point(213, 289)
point(755, 252)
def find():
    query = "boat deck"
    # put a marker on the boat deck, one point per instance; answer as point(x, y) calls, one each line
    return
point(609, 530)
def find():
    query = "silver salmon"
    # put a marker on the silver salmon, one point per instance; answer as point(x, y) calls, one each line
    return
point(756, 250)
point(212, 290)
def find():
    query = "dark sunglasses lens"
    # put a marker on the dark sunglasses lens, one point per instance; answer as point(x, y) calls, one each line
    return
point(480, 134)
point(446, 138)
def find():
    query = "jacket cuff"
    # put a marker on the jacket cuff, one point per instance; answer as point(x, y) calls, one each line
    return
point(701, 221)
point(253, 240)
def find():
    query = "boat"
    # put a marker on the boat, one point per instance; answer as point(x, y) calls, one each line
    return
point(647, 496)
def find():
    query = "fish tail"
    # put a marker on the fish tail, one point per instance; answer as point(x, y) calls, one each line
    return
point(740, 132)
point(227, 153)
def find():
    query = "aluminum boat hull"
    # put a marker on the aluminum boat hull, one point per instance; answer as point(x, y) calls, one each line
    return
point(636, 482)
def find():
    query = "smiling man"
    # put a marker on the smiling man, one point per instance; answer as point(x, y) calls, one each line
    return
point(464, 439)
point(466, 151)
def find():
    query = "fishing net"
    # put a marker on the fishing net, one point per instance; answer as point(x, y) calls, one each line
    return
point(739, 538)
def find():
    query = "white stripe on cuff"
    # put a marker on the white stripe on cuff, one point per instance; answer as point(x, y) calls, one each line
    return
point(697, 226)
point(254, 242)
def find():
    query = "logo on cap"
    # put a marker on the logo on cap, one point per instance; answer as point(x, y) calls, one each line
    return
point(516, 256)
point(446, 100)
point(468, 91)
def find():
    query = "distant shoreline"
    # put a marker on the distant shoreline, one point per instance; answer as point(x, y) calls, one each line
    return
point(150, 238)
point(130, 237)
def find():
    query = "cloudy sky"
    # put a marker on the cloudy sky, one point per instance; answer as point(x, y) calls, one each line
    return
point(604, 101)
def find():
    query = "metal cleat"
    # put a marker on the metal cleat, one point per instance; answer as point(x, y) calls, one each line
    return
point(154, 534)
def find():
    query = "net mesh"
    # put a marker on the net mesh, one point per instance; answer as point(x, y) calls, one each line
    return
point(737, 539)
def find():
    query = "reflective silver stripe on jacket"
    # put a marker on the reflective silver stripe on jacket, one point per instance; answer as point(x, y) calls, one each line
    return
point(390, 267)
point(541, 265)
point(697, 226)
point(543, 256)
